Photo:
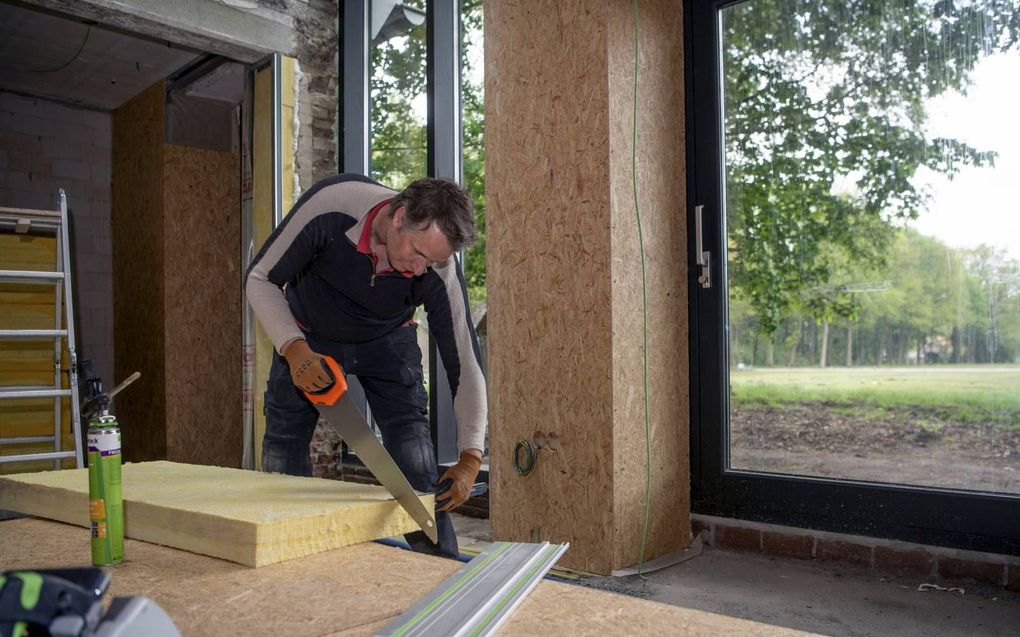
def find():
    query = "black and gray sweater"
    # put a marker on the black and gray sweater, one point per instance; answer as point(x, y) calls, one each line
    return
point(310, 275)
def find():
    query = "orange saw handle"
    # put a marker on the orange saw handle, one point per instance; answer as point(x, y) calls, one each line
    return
point(334, 392)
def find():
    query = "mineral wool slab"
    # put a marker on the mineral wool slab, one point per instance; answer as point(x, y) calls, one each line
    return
point(247, 517)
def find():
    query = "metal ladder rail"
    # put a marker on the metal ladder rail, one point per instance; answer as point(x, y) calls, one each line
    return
point(23, 221)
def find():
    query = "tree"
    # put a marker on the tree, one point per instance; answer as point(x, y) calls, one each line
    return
point(398, 133)
point(998, 284)
point(827, 91)
point(960, 305)
point(398, 129)
point(473, 144)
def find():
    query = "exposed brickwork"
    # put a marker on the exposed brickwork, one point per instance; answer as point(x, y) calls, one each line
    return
point(476, 507)
point(350, 472)
point(913, 564)
point(843, 552)
point(316, 46)
point(916, 562)
point(970, 570)
point(736, 538)
point(1013, 581)
point(315, 49)
point(698, 527)
point(325, 452)
point(784, 545)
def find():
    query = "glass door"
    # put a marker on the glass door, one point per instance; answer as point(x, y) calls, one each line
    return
point(864, 219)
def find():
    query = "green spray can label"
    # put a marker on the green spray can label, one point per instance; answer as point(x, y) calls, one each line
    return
point(106, 506)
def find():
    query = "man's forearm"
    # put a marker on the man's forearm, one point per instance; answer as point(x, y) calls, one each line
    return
point(272, 311)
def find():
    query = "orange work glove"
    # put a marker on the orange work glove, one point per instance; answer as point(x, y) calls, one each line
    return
point(307, 369)
point(462, 475)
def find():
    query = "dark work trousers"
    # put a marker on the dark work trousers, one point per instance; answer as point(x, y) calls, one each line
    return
point(389, 369)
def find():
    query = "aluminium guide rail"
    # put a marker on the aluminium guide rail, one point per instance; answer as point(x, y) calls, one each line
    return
point(480, 596)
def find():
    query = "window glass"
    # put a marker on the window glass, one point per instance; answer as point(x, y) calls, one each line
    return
point(398, 103)
point(873, 241)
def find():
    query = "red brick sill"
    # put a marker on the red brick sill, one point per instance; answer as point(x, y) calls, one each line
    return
point(927, 564)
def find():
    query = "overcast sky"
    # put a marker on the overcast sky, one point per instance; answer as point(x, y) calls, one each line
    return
point(980, 205)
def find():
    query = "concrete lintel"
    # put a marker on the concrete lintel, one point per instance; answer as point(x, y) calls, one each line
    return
point(211, 26)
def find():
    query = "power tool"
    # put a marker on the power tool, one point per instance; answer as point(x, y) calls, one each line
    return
point(68, 603)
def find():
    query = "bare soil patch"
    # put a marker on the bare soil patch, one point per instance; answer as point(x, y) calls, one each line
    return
point(918, 447)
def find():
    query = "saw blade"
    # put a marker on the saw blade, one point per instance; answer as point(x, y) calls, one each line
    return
point(344, 417)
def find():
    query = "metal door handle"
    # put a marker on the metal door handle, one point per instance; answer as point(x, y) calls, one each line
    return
point(702, 258)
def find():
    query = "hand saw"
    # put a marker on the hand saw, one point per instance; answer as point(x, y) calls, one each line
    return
point(337, 407)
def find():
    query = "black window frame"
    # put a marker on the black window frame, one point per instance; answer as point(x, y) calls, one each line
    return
point(961, 519)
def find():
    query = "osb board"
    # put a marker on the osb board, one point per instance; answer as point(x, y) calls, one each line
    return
point(247, 517)
point(661, 201)
point(353, 591)
point(138, 281)
point(550, 341)
point(202, 214)
point(262, 204)
point(24, 306)
point(563, 254)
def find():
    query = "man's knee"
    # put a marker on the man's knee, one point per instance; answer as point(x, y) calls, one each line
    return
point(289, 457)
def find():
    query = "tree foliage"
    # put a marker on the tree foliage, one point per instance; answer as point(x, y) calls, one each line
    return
point(398, 134)
point(398, 129)
point(473, 131)
point(819, 92)
point(931, 304)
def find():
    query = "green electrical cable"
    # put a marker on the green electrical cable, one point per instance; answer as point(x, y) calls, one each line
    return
point(525, 457)
point(644, 299)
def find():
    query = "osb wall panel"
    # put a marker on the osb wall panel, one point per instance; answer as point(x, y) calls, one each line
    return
point(550, 347)
point(24, 306)
point(138, 281)
point(565, 287)
point(203, 306)
point(660, 186)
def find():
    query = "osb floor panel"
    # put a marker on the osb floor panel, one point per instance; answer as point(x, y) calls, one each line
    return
point(247, 517)
point(351, 591)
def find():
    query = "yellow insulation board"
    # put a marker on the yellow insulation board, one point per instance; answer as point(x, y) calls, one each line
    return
point(22, 363)
point(247, 517)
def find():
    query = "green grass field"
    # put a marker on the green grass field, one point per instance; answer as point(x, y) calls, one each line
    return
point(960, 393)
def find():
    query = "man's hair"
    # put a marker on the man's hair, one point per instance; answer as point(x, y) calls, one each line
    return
point(441, 201)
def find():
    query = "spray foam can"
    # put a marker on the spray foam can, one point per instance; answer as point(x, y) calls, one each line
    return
point(106, 506)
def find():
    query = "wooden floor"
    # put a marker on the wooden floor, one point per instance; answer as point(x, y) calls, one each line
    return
point(354, 590)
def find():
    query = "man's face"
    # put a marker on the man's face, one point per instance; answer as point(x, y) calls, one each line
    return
point(409, 251)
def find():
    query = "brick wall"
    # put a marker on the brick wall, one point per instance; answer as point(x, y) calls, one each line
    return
point(475, 507)
point(887, 558)
point(325, 451)
point(315, 48)
point(46, 145)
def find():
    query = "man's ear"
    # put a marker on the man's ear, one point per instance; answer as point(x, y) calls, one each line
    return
point(398, 217)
